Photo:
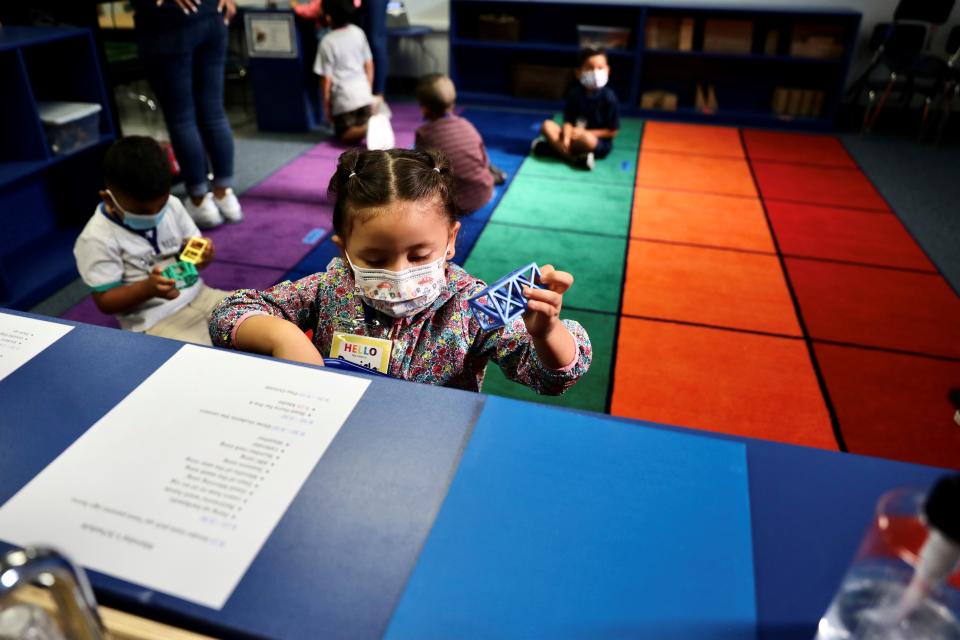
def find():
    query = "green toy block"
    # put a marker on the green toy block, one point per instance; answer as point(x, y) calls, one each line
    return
point(183, 272)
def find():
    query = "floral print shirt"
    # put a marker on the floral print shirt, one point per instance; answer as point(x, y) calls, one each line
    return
point(443, 345)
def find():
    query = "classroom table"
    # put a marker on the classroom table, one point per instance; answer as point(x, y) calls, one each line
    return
point(339, 561)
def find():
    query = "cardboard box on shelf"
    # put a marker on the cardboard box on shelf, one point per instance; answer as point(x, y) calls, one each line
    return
point(686, 34)
point(728, 36)
point(499, 27)
point(792, 102)
point(816, 40)
point(539, 81)
point(662, 33)
point(660, 100)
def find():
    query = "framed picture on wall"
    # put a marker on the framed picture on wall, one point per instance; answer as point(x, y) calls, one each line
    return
point(270, 34)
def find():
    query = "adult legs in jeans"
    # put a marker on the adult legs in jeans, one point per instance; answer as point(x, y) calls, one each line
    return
point(187, 86)
point(375, 26)
point(209, 60)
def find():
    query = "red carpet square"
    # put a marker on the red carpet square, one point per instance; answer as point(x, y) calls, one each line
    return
point(730, 176)
point(700, 218)
point(893, 406)
point(826, 151)
point(722, 381)
point(708, 286)
point(692, 138)
point(845, 234)
point(900, 310)
point(817, 185)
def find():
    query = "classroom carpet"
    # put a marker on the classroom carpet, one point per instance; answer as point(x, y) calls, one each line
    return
point(732, 280)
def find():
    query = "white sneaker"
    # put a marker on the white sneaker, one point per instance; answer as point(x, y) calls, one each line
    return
point(205, 214)
point(229, 206)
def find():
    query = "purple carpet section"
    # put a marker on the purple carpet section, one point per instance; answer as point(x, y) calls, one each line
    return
point(286, 216)
point(88, 313)
point(274, 233)
point(227, 275)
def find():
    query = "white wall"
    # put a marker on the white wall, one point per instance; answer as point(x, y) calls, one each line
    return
point(406, 58)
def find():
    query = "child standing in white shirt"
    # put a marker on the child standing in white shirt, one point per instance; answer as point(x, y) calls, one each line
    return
point(345, 63)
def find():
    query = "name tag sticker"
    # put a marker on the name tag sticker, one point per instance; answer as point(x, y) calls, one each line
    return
point(372, 353)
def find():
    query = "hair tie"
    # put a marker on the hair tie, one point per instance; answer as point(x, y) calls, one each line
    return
point(437, 169)
point(352, 173)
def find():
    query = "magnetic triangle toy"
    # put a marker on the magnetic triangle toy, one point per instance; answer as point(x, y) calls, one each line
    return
point(503, 301)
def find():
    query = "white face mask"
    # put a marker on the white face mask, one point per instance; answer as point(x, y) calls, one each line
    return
point(595, 78)
point(400, 294)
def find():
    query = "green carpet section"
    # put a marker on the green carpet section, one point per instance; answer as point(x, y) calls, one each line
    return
point(558, 204)
point(629, 135)
point(590, 392)
point(618, 168)
point(596, 262)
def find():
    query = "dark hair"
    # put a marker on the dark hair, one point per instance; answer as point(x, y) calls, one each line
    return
point(137, 167)
point(436, 93)
point(588, 52)
point(341, 12)
point(376, 178)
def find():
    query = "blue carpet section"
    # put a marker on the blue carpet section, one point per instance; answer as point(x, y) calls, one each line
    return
point(507, 136)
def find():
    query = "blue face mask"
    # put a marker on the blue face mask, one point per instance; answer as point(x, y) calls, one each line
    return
point(137, 221)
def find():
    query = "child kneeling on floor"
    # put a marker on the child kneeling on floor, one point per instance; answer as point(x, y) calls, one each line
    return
point(137, 231)
point(395, 224)
point(591, 116)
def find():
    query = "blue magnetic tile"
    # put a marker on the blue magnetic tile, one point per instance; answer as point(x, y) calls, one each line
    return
point(568, 525)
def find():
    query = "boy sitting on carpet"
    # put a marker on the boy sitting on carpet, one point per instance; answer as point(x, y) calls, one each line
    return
point(135, 233)
point(591, 116)
point(445, 131)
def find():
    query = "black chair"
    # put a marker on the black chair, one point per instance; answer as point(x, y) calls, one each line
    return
point(898, 47)
point(948, 83)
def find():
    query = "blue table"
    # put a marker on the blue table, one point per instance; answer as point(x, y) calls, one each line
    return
point(344, 576)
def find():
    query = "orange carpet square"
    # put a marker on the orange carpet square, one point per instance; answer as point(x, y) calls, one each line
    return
point(730, 176)
point(708, 286)
point(692, 138)
point(845, 234)
point(821, 150)
point(907, 311)
point(893, 406)
point(700, 218)
point(722, 381)
point(817, 185)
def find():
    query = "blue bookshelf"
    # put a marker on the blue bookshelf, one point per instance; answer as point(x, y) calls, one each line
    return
point(45, 198)
point(745, 81)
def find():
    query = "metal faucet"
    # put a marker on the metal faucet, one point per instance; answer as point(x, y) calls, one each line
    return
point(66, 582)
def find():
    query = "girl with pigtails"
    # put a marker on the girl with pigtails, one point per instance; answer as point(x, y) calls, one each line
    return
point(393, 285)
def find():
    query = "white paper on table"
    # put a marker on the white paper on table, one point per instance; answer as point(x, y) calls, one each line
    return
point(23, 338)
point(178, 487)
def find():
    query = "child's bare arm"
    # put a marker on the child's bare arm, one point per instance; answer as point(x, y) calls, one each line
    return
point(128, 297)
point(276, 337)
point(368, 68)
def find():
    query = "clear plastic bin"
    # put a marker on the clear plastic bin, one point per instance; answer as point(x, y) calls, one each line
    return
point(70, 125)
point(602, 37)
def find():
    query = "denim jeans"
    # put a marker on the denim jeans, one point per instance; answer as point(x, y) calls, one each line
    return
point(185, 66)
point(374, 24)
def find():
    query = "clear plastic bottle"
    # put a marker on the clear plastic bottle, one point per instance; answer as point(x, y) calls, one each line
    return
point(899, 585)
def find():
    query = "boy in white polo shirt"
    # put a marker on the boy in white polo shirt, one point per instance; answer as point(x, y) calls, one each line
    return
point(136, 232)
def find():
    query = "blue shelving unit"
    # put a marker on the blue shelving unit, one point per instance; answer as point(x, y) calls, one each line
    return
point(45, 198)
point(744, 82)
